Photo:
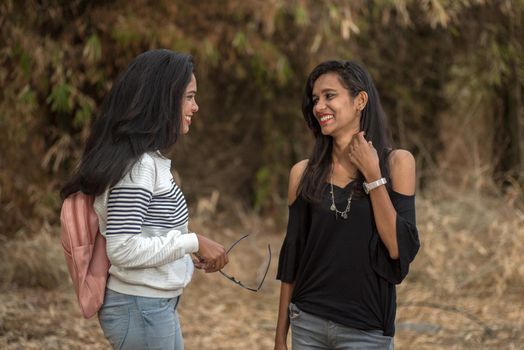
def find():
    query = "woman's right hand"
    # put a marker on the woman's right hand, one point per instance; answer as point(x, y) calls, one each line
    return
point(212, 255)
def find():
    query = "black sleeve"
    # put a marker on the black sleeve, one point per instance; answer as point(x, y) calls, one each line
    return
point(294, 242)
point(394, 271)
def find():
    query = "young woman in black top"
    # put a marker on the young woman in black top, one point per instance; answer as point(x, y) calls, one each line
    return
point(351, 233)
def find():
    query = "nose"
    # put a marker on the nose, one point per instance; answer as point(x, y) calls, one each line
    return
point(319, 107)
point(194, 108)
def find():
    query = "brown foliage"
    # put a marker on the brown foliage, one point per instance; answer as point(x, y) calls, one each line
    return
point(449, 73)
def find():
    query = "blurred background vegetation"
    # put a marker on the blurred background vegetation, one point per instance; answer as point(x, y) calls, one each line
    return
point(451, 78)
point(450, 74)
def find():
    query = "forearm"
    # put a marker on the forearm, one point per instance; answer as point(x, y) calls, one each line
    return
point(402, 176)
point(385, 219)
point(286, 290)
point(140, 251)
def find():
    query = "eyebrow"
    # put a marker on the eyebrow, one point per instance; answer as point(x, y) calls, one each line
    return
point(192, 92)
point(326, 90)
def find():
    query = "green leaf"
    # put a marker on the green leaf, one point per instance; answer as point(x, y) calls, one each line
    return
point(284, 70)
point(93, 49)
point(261, 187)
point(211, 54)
point(301, 16)
point(84, 112)
point(27, 96)
point(125, 34)
point(26, 62)
point(240, 42)
point(60, 98)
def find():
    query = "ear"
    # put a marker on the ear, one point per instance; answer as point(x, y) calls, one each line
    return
point(361, 100)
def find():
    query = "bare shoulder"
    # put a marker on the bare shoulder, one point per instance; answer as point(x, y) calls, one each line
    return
point(298, 169)
point(401, 158)
point(295, 175)
point(402, 171)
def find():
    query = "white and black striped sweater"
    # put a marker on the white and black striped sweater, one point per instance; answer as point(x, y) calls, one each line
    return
point(145, 221)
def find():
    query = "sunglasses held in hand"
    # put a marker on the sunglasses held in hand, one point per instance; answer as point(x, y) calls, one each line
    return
point(234, 280)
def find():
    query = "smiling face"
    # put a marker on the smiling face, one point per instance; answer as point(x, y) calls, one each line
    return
point(335, 109)
point(189, 105)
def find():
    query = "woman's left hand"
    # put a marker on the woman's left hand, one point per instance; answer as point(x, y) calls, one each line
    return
point(364, 156)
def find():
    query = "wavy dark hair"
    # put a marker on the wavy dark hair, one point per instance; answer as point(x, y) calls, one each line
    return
point(355, 78)
point(142, 113)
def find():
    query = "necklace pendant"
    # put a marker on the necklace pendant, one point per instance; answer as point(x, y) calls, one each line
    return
point(344, 215)
point(333, 208)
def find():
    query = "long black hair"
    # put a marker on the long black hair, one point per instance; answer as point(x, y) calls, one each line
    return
point(355, 78)
point(142, 113)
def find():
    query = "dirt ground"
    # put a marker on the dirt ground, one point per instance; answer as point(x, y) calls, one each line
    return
point(217, 314)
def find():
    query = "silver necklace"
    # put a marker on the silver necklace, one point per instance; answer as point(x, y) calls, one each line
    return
point(343, 214)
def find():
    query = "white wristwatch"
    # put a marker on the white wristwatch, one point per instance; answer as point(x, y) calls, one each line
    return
point(372, 185)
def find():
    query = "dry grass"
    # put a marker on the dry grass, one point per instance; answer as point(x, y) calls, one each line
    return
point(33, 261)
point(465, 289)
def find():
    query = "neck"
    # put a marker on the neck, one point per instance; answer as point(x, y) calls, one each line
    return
point(340, 146)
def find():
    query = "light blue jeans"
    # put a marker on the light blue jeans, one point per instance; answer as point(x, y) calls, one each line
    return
point(134, 323)
point(310, 332)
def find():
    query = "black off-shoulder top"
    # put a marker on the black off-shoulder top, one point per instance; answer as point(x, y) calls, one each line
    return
point(341, 269)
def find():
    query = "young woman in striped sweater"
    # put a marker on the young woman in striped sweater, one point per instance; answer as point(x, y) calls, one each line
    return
point(142, 212)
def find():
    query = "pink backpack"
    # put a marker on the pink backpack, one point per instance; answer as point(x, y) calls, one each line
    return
point(85, 251)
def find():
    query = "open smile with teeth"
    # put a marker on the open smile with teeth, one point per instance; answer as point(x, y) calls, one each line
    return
point(325, 118)
point(188, 119)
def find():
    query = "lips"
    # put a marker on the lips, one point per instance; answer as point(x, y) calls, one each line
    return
point(324, 119)
point(188, 119)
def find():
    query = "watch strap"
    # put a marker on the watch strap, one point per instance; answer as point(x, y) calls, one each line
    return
point(372, 185)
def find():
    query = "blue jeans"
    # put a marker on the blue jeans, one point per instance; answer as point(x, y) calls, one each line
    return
point(134, 323)
point(311, 332)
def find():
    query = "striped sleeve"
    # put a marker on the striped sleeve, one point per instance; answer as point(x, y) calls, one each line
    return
point(168, 209)
point(127, 207)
